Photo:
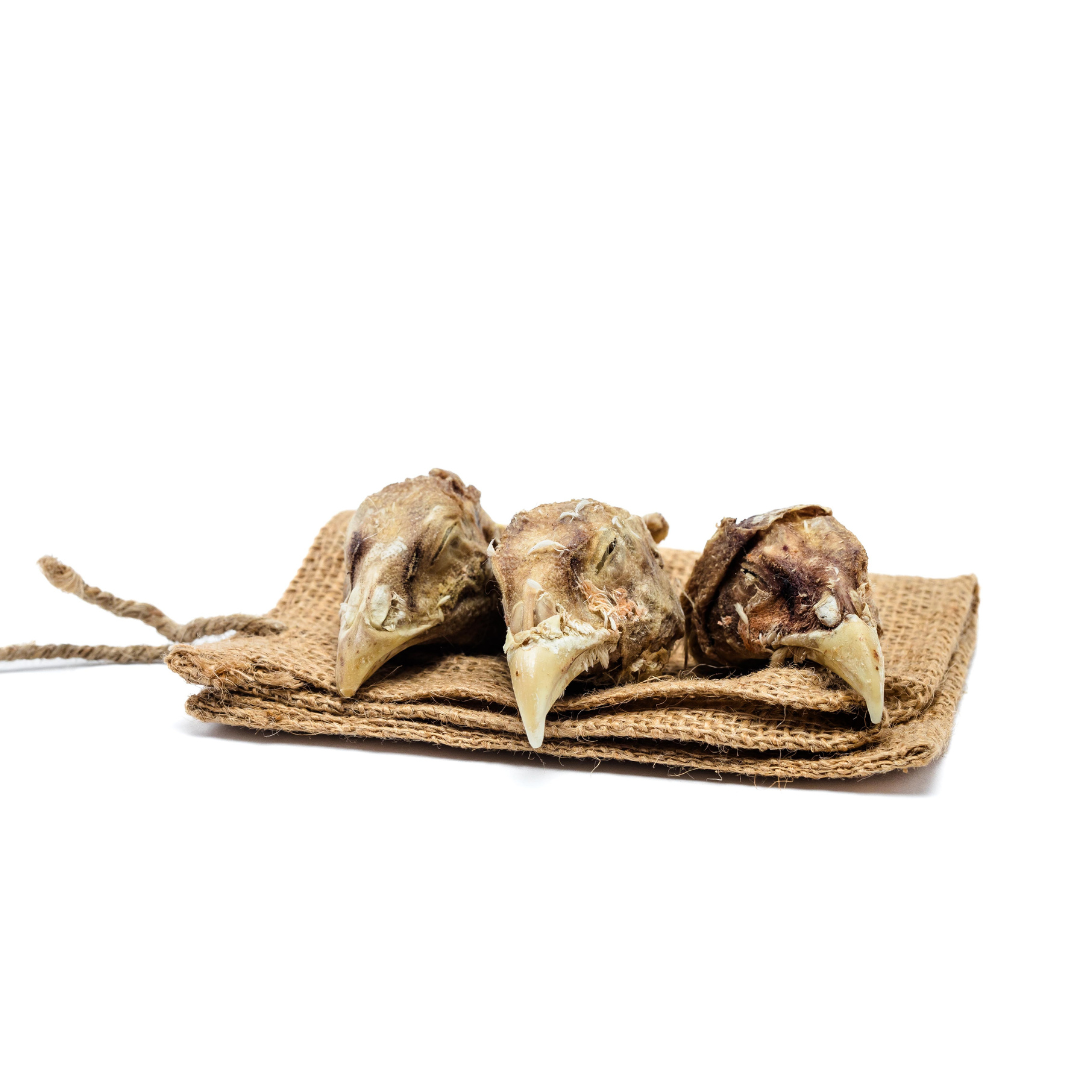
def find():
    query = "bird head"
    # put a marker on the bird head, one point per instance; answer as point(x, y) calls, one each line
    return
point(792, 582)
point(584, 591)
point(416, 571)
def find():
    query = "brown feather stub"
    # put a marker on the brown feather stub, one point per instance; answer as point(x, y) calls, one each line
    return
point(787, 584)
point(416, 572)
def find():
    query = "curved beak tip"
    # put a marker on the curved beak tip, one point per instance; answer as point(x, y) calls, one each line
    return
point(876, 709)
point(361, 652)
point(346, 686)
point(540, 673)
point(353, 670)
point(852, 651)
point(535, 689)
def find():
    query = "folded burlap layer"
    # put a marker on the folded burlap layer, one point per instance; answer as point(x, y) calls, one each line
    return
point(787, 721)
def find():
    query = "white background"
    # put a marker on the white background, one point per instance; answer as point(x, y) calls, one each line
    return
point(258, 260)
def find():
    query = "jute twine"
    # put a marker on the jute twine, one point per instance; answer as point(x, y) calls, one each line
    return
point(67, 580)
point(277, 673)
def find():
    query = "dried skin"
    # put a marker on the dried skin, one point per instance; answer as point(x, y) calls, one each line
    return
point(585, 595)
point(416, 572)
point(786, 583)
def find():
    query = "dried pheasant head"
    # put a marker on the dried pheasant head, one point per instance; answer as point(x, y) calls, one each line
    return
point(788, 583)
point(416, 571)
point(584, 594)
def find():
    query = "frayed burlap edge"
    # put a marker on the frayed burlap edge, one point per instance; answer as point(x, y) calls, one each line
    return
point(916, 742)
point(678, 722)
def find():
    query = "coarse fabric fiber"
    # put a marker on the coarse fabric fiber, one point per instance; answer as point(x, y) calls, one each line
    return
point(785, 722)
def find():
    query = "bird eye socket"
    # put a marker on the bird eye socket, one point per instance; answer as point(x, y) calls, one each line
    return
point(447, 542)
point(608, 553)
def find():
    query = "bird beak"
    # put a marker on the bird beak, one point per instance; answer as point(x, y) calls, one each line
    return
point(362, 650)
point(542, 670)
point(853, 652)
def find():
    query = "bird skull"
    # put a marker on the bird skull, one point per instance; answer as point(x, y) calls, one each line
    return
point(584, 593)
point(415, 571)
point(792, 582)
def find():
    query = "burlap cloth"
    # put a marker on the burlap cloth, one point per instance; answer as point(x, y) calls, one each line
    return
point(781, 722)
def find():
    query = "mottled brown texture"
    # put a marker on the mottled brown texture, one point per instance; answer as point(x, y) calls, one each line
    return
point(775, 567)
point(600, 568)
point(423, 543)
point(781, 722)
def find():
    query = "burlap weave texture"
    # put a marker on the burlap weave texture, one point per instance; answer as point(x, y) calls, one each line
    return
point(788, 721)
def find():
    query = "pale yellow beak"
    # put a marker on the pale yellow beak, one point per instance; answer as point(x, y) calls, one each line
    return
point(541, 672)
point(852, 650)
point(363, 649)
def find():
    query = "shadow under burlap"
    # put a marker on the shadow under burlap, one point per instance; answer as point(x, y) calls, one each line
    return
point(788, 721)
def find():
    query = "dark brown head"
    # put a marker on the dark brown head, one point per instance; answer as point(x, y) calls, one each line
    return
point(790, 581)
